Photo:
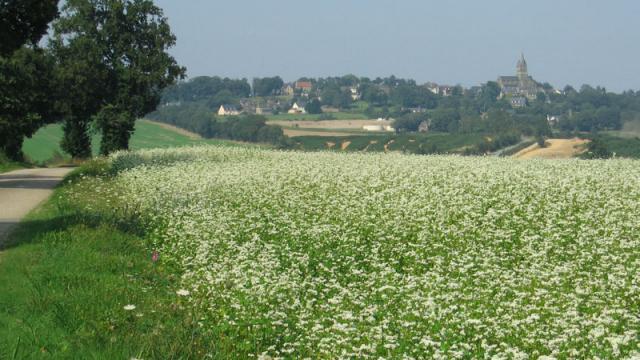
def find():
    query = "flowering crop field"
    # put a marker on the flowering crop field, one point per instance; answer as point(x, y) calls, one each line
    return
point(325, 255)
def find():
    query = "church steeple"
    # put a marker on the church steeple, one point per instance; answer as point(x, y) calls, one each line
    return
point(522, 67)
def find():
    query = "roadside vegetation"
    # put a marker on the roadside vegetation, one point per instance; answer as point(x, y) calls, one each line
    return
point(8, 165)
point(79, 280)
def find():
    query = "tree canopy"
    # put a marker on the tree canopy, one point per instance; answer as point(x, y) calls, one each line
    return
point(27, 90)
point(124, 44)
point(24, 21)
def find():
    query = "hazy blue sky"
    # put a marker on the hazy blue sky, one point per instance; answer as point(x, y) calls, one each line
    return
point(450, 42)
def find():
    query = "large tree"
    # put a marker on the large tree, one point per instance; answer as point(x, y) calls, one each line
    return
point(27, 97)
point(124, 43)
point(24, 21)
point(26, 72)
point(267, 86)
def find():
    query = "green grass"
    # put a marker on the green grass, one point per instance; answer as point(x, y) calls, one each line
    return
point(7, 165)
point(628, 147)
point(67, 274)
point(44, 146)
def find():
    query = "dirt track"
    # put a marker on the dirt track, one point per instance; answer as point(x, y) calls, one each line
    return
point(23, 190)
point(555, 149)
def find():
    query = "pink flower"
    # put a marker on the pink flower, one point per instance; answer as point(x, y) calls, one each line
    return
point(155, 256)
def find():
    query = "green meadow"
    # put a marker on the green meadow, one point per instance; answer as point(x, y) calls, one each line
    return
point(44, 146)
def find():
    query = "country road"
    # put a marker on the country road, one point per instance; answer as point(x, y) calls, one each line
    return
point(23, 190)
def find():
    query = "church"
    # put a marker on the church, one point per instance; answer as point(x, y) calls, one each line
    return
point(521, 85)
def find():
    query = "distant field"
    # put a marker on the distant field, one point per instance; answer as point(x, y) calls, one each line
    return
point(434, 142)
point(330, 124)
point(45, 144)
point(345, 127)
point(555, 149)
point(293, 132)
point(337, 116)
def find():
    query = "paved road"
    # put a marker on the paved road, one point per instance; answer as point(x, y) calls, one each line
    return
point(23, 190)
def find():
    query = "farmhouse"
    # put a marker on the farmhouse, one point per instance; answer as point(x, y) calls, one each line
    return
point(444, 90)
point(355, 93)
point(287, 89)
point(298, 108)
point(228, 109)
point(305, 86)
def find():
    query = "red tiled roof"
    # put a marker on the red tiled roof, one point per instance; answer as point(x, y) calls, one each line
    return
point(303, 85)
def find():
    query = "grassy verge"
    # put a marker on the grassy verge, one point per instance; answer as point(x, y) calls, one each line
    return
point(67, 273)
point(6, 165)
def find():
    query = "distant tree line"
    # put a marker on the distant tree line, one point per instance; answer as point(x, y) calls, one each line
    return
point(213, 90)
point(478, 110)
point(198, 118)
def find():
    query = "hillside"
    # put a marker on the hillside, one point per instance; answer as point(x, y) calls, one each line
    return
point(44, 146)
point(554, 149)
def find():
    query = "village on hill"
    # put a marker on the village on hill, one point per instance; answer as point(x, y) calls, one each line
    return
point(351, 113)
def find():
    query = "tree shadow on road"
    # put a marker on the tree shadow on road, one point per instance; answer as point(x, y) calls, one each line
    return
point(32, 230)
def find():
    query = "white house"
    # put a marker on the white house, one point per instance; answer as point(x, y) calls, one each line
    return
point(228, 109)
point(298, 108)
point(355, 94)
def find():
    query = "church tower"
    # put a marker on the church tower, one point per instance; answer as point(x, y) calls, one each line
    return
point(522, 68)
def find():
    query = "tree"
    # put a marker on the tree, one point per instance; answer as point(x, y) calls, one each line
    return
point(270, 134)
point(489, 95)
point(129, 39)
point(409, 122)
point(267, 86)
point(82, 76)
point(374, 95)
point(24, 21)
point(597, 149)
point(444, 120)
point(27, 95)
point(313, 107)
point(334, 96)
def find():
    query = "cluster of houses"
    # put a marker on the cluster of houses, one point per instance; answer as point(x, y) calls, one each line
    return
point(518, 90)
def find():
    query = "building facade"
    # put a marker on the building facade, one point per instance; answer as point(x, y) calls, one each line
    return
point(521, 85)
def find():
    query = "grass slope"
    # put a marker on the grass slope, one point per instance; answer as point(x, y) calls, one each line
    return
point(66, 276)
point(45, 144)
point(627, 146)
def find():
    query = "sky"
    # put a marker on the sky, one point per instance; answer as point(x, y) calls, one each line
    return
point(466, 42)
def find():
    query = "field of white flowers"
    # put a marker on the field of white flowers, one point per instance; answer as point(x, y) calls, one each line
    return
point(326, 255)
